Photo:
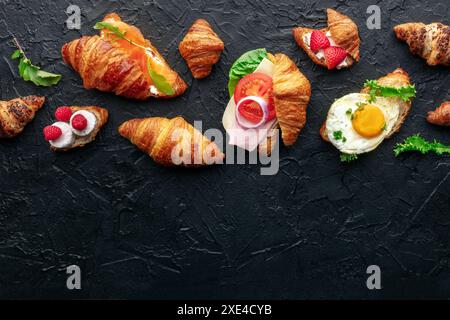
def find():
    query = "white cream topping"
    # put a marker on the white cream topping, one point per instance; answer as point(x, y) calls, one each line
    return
point(67, 137)
point(321, 55)
point(90, 126)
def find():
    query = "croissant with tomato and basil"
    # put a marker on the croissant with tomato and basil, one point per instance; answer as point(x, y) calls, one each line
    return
point(429, 41)
point(201, 48)
point(171, 142)
point(109, 63)
point(15, 114)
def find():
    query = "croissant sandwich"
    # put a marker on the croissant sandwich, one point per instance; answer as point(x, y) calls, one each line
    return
point(122, 61)
point(76, 127)
point(171, 142)
point(201, 48)
point(268, 92)
point(440, 116)
point(358, 122)
point(336, 46)
point(15, 114)
point(429, 41)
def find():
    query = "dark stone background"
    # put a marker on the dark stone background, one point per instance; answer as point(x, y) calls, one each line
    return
point(141, 231)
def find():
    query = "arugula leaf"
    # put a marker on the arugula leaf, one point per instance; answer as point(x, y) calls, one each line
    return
point(419, 144)
point(159, 80)
point(345, 157)
point(244, 65)
point(30, 72)
point(406, 93)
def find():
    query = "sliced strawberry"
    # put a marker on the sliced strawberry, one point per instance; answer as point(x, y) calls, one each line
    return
point(318, 41)
point(334, 56)
point(52, 133)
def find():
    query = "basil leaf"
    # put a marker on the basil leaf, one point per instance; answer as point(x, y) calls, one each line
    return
point(160, 82)
point(16, 54)
point(244, 65)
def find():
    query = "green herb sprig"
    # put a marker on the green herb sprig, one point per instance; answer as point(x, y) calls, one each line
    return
point(345, 157)
point(406, 93)
point(159, 80)
point(30, 72)
point(419, 144)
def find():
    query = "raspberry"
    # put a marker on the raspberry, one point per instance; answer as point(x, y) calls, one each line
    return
point(318, 41)
point(63, 114)
point(79, 122)
point(52, 133)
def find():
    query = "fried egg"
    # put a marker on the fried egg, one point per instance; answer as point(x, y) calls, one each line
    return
point(356, 126)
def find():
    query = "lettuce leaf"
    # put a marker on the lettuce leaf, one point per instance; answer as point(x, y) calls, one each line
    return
point(244, 65)
point(406, 93)
point(419, 144)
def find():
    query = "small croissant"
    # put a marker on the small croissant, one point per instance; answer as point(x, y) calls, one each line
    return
point(15, 114)
point(171, 142)
point(201, 48)
point(440, 116)
point(429, 41)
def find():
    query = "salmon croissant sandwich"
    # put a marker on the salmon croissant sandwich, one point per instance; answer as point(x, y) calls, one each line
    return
point(122, 61)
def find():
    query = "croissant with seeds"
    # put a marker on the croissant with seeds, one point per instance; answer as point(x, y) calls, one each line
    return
point(429, 41)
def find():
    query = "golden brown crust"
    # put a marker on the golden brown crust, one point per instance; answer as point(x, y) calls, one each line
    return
point(160, 137)
point(101, 114)
point(397, 78)
point(201, 48)
point(105, 65)
point(291, 94)
point(440, 116)
point(429, 41)
point(15, 114)
point(343, 31)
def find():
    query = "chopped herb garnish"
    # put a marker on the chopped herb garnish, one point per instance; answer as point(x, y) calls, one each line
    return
point(345, 157)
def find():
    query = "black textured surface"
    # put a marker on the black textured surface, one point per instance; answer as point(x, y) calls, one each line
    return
point(141, 231)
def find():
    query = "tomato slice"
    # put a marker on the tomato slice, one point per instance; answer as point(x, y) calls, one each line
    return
point(255, 84)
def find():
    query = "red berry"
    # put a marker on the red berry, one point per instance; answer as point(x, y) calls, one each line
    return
point(318, 41)
point(334, 56)
point(52, 133)
point(63, 114)
point(79, 122)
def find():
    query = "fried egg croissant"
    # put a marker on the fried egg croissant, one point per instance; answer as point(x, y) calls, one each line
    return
point(201, 48)
point(171, 142)
point(429, 41)
point(440, 116)
point(131, 67)
point(15, 114)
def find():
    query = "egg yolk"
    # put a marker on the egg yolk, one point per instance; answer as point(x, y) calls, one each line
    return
point(368, 121)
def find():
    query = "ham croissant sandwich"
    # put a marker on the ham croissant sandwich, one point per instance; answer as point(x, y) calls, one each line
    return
point(171, 142)
point(15, 114)
point(336, 46)
point(122, 61)
point(429, 41)
point(201, 48)
point(267, 92)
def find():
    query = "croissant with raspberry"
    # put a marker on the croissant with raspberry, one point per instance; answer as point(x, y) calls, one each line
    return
point(429, 41)
point(201, 48)
point(171, 142)
point(15, 114)
point(440, 116)
point(127, 65)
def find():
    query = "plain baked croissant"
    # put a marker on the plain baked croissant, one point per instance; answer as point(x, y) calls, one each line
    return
point(110, 64)
point(343, 31)
point(201, 48)
point(15, 114)
point(429, 41)
point(171, 142)
point(291, 94)
point(440, 116)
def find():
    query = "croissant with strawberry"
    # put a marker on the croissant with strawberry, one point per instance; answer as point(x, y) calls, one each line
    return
point(334, 47)
point(122, 61)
